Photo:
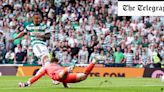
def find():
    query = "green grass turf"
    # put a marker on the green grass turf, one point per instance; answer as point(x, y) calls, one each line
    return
point(92, 84)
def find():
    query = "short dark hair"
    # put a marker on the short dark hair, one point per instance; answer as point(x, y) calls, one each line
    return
point(54, 60)
point(38, 13)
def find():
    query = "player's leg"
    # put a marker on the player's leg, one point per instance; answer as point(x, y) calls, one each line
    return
point(45, 59)
point(37, 49)
point(89, 68)
point(42, 52)
point(77, 77)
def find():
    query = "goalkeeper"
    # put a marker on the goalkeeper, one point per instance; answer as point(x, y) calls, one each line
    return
point(56, 72)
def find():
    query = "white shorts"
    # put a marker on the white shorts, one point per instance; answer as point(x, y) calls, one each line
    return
point(40, 49)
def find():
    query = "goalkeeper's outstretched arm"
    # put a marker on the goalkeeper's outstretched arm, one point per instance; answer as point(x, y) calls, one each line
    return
point(33, 79)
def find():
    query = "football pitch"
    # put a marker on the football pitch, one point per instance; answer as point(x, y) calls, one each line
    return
point(92, 84)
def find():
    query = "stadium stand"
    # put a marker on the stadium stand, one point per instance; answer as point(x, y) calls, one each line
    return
point(81, 29)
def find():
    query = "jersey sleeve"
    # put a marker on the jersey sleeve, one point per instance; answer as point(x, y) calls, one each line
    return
point(42, 71)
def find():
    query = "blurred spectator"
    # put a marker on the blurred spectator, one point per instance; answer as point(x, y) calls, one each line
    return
point(72, 40)
point(151, 50)
point(3, 52)
point(20, 56)
point(129, 57)
point(74, 60)
point(30, 56)
point(130, 39)
point(7, 35)
point(59, 54)
point(66, 59)
point(118, 57)
point(25, 42)
point(83, 56)
point(109, 62)
point(74, 50)
point(144, 58)
point(102, 57)
point(17, 48)
point(56, 49)
point(93, 54)
point(157, 59)
point(137, 60)
point(62, 35)
point(17, 31)
point(9, 57)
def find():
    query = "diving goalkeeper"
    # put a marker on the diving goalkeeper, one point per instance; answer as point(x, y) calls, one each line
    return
point(61, 74)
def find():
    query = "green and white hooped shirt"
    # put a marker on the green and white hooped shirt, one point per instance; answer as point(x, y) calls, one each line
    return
point(33, 29)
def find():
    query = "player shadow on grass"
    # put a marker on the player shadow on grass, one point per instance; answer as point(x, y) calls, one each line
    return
point(85, 88)
point(105, 82)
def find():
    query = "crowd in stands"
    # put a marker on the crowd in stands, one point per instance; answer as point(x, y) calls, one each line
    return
point(80, 30)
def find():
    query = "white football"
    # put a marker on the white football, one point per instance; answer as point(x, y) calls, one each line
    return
point(55, 82)
point(20, 84)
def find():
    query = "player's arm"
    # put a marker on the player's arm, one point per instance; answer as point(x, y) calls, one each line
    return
point(21, 34)
point(39, 74)
point(43, 36)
